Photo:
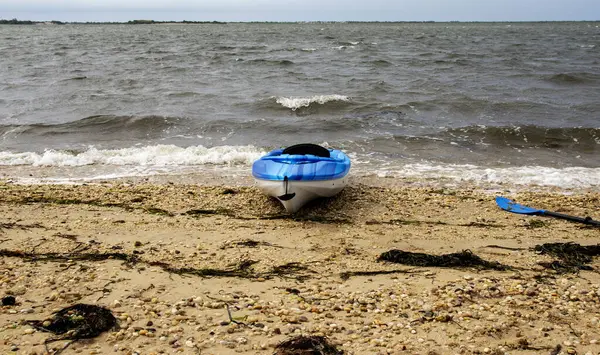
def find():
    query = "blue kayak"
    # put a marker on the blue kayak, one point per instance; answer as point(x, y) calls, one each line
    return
point(278, 165)
point(301, 173)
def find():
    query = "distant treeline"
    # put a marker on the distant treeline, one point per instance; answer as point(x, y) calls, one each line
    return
point(149, 22)
point(16, 22)
point(132, 22)
point(153, 22)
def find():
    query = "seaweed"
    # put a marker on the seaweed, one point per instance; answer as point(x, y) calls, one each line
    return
point(556, 350)
point(482, 225)
point(68, 256)
point(536, 223)
point(403, 222)
point(465, 258)
point(317, 219)
point(348, 274)
point(240, 270)
point(307, 345)
point(13, 225)
point(572, 257)
point(202, 212)
point(72, 237)
point(159, 211)
point(291, 268)
point(79, 321)
point(249, 243)
point(71, 201)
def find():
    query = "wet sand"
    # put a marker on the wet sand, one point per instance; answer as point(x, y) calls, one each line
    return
point(196, 250)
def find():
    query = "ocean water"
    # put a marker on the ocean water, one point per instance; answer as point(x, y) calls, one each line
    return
point(502, 103)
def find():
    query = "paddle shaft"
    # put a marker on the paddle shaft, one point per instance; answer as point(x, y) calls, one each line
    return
point(586, 220)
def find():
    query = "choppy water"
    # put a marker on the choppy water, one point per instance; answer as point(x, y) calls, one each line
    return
point(498, 102)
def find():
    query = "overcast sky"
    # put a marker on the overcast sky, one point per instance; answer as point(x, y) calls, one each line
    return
point(301, 10)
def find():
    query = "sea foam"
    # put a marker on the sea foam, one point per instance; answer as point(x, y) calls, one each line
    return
point(569, 177)
point(171, 159)
point(155, 155)
point(295, 103)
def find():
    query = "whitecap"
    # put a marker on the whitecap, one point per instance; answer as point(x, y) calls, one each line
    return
point(295, 103)
point(153, 155)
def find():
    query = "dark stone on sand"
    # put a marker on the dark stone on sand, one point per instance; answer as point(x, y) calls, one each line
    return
point(9, 301)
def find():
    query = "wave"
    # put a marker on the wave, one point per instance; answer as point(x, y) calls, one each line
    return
point(184, 94)
point(327, 127)
point(77, 78)
point(380, 63)
point(97, 125)
point(170, 159)
point(293, 49)
point(572, 78)
point(461, 105)
point(295, 103)
point(225, 48)
point(525, 176)
point(254, 47)
point(153, 155)
point(578, 138)
point(279, 62)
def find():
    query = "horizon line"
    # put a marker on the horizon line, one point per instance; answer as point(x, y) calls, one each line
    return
point(149, 21)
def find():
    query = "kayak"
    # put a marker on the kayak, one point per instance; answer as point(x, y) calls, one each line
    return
point(301, 173)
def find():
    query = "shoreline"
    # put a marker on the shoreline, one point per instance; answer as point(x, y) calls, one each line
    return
point(200, 248)
point(240, 176)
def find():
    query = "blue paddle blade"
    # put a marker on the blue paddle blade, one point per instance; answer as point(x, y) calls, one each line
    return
point(513, 207)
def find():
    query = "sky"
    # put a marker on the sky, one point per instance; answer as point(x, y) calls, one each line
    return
point(301, 10)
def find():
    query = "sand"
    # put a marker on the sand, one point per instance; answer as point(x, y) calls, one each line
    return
point(195, 252)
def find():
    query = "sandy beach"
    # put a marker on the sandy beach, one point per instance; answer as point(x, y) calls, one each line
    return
point(170, 260)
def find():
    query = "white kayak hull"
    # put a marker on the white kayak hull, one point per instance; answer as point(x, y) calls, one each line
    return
point(300, 192)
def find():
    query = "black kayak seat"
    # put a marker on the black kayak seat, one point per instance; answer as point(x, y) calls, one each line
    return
point(307, 148)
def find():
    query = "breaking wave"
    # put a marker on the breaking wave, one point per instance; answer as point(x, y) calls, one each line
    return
point(569, 178)
point(296, 103)
point(154, 155)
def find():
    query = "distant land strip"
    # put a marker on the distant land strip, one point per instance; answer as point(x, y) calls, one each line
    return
point(153, 22)
point(132, 22)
